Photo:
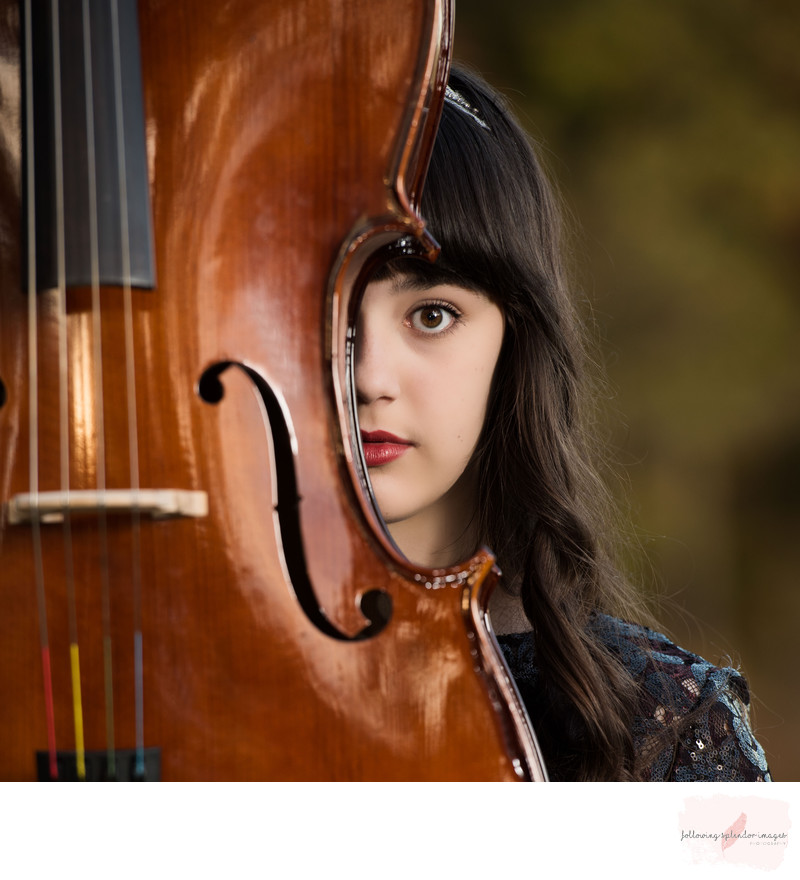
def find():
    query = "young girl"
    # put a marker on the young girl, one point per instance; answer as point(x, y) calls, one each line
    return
point(469, 376)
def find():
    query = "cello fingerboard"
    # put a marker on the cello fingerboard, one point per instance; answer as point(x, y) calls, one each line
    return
point(89, 156)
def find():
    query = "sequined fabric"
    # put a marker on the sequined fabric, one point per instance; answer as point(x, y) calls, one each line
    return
point(692, 723)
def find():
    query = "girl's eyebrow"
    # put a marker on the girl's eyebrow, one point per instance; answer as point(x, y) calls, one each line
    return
point(406, 282)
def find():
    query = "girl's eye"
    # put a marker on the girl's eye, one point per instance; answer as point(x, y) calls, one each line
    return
point(433, 318)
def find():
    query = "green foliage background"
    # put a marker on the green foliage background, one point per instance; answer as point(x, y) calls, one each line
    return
point(673, 131)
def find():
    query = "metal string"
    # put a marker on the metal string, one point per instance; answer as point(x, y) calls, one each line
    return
point(63, 386)
point(97, 336)
point(33, 400)
point(130, 373)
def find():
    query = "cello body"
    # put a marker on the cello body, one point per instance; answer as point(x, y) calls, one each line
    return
point(262, 627)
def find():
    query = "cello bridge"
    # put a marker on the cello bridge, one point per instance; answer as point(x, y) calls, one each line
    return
point(53, 507)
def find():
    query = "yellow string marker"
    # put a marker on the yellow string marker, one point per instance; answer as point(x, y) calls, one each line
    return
point(77, 711)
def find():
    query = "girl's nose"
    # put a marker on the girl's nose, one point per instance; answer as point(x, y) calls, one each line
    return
point(376, 350)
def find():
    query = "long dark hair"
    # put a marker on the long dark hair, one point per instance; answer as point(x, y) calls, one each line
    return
point(543, 510)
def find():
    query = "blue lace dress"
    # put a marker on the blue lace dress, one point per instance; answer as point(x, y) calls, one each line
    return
point(716, 744)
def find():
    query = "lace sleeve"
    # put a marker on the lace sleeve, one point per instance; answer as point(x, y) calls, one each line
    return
point(694, 724)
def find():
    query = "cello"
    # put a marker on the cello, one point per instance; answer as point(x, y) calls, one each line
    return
point(195, 582)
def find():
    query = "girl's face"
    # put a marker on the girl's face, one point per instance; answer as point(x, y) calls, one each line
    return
point(425, 357)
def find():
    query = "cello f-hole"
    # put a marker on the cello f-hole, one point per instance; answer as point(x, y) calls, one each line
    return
point(375, 605)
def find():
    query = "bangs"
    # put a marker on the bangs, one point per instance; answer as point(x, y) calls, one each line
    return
point(487, 203)
point(455, 189)
point(460, 202)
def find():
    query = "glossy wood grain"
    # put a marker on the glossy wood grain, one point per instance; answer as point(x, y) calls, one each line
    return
point(286, 143)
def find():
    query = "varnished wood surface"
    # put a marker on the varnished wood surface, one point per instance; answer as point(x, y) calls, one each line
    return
point(273, 131)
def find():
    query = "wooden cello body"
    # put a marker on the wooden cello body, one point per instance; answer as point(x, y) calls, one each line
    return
point(193, 583)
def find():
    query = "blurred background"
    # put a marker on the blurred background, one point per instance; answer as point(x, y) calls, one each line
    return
point(673, 132)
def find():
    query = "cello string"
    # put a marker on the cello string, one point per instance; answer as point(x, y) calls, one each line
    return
point(130, 371)
point(33, 402)
point(97, 343)
point(63, 386)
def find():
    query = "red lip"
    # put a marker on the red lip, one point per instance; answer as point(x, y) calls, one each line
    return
point(381, 447)
point(382, 437)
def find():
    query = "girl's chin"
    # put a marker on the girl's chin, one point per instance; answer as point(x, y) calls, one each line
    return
point(394, 514)
point(391, 516)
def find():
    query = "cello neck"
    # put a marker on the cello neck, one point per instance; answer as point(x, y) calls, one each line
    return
point(83, 96)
